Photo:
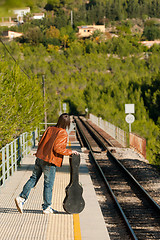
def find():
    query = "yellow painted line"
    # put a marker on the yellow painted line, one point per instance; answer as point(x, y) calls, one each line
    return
point(76, 221)
point(76, 225)
point(69, 144)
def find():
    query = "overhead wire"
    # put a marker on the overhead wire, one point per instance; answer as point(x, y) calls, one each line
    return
point(14, 58)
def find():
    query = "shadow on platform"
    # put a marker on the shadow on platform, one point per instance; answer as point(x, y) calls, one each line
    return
point(33, 211)
point(66, 168)
point(25, 167)
point(14, 211)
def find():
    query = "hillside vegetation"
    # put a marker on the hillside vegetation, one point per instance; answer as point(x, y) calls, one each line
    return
point(100, 73)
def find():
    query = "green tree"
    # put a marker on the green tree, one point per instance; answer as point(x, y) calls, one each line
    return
point(34, 36)
point(151, 32)
point(21, 108)
point(52, 32)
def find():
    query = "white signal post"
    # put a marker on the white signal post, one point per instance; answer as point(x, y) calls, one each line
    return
point(129, 109)
point(64, 107)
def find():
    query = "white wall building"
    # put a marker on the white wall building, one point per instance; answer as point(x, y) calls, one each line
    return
point(20, 13)
point(38, 16)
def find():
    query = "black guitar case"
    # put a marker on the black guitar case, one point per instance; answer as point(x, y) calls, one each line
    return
point(74, 202)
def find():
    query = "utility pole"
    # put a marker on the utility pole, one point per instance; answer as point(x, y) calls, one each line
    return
point(71, 18)
point(60, 109)
point(104, 20)
point(44, 99)
point(59, 99)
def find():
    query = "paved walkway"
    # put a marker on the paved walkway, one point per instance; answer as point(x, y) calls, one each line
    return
point(33, 224)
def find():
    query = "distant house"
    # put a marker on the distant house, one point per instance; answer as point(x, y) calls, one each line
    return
point(87, 31)
point(20, 13)
point(150, 43)
point(16, 17)
point(8, 22)
point(38, 15)
point(10, 35)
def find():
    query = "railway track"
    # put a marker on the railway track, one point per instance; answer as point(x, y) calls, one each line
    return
point(129, 211)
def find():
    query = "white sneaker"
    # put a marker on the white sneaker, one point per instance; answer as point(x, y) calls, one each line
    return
point(19, 203)
point(49, 210)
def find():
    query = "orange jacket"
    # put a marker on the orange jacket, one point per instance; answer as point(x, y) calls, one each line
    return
point(52, 146)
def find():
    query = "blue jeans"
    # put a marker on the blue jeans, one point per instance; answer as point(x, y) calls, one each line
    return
point(49, 171)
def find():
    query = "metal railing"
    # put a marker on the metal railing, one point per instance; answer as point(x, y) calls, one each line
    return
point(12, 154)
point(115, 132)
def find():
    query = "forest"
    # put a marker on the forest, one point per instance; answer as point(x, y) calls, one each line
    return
point(101, 73)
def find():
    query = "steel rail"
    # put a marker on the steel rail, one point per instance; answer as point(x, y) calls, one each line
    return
point(109, 188)
point(88, 125)
point(152, 201)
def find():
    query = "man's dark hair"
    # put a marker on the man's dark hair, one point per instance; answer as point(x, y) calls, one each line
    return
point(63, 121)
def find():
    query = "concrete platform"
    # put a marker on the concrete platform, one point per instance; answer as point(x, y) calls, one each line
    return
point(33, 224)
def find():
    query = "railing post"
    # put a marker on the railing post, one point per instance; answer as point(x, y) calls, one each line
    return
point(116, 133)
point(27, 146)
point(33, 139)
point(7, 158)
point(3, 165)
point(23, 144)
point(12, 165)
point(15, 154)
point(19, 151)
